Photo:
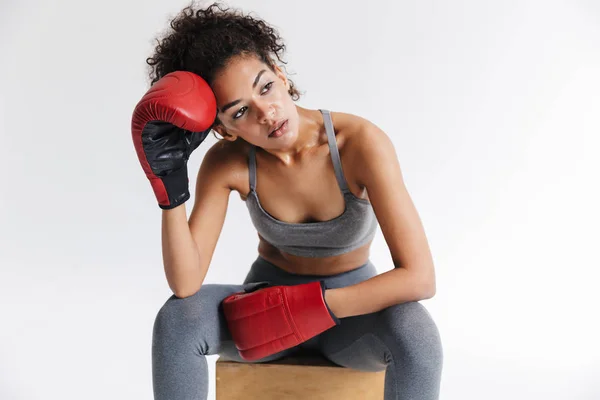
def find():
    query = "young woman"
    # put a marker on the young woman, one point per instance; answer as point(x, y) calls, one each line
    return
point(316, 183)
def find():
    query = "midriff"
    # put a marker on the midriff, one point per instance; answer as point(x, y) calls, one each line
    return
point(314, 266)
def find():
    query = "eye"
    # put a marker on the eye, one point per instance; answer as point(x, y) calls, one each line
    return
point(267, 86)
point(240, 112)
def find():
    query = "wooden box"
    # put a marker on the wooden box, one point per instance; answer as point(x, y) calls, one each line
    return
point(294, 378)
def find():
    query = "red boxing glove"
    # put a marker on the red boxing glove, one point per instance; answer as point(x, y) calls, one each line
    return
point(168, 123)
point(272, 319)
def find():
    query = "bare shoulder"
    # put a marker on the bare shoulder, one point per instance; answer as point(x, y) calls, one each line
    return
point(358, 134)
point(361, 143)
point(345, 121)
point(228, 163)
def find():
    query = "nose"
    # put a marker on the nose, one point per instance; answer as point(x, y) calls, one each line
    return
point(265, 111)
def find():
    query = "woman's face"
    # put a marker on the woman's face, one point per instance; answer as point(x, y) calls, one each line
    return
point(253, 101)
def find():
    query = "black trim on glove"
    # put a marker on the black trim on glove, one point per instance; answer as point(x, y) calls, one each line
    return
point(324, 288)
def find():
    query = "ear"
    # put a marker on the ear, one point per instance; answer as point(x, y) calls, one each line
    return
point(220, 129)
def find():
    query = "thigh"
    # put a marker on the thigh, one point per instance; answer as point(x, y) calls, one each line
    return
point(355, 343)
point(405, 332)
point(198, 321)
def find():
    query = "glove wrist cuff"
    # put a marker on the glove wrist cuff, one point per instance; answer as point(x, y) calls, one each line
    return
point(333, 316)
point(176, 185)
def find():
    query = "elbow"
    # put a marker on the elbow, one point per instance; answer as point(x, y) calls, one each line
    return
point(429, 292)
point(427, 287)
point(185, 283)
point(184, 292)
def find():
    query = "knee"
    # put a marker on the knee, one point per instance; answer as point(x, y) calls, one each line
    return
point(171, 315)
point(410, 330)
point(184, 322)
point(173, 323)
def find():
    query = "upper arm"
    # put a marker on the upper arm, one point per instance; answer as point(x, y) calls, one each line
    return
point(210, 203)
point(398, 218)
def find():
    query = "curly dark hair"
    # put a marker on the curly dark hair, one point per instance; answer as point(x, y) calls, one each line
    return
point(203, 40)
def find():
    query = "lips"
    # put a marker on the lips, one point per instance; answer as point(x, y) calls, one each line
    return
point(277, 126)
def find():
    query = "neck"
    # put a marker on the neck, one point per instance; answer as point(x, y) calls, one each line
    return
point(309, 127)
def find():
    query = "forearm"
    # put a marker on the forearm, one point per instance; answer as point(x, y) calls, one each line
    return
point(181, 259)
point(399, 285)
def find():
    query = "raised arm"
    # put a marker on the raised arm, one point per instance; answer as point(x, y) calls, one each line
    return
point(188, 246)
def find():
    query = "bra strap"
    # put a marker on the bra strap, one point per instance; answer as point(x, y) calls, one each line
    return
point(252, 167)
point(333, 149)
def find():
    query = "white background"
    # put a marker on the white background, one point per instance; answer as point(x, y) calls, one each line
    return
point(493, 108)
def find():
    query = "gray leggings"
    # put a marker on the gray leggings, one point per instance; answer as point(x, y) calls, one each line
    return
point(402, 339)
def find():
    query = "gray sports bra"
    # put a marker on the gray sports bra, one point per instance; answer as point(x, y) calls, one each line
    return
point(355, 227)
